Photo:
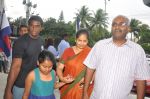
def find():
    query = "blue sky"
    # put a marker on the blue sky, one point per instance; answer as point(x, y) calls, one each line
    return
point(52, 8)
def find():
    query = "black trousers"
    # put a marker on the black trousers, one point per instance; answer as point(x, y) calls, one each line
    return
point(3, 66)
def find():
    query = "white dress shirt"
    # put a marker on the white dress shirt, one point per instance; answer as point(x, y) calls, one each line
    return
point(116, 68)
point(62, 46)
point(52, 50)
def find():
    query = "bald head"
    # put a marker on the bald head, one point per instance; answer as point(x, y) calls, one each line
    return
point(120, 27)
point(122, 17)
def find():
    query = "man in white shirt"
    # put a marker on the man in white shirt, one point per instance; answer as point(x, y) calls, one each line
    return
point(117, 62)
point(63, 45)
point(50, 46)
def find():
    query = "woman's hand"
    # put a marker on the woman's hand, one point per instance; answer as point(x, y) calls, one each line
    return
point(68, 79)
point(81, 83)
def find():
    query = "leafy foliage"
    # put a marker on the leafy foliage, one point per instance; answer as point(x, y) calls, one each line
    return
point(95, 22)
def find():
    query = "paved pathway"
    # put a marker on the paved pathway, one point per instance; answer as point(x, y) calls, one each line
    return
point(3, 79)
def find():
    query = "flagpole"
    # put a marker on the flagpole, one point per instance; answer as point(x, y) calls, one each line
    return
point(1, 13)
point(2, 19)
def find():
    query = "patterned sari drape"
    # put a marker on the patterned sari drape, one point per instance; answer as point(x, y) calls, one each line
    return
point(74, 66)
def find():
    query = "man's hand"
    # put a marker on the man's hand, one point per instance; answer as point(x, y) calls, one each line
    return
point(8, 95)
point(85, 96)
point(140, 88)
point(12, 76)
point(88, 77)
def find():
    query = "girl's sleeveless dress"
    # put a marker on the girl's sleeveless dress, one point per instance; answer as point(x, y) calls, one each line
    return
point(42, 89)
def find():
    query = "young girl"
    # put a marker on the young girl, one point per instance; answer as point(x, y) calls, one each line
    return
point(40, 82)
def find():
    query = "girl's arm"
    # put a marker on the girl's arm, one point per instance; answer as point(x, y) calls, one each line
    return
point(28, 84)
point(58, 84)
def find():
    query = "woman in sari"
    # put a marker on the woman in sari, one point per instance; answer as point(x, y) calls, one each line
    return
point(71, 66)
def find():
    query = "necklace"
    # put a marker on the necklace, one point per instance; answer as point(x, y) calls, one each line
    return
point(77, 50)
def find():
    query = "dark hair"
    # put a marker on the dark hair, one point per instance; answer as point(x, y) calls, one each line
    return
point(46, 55)
point(23, 26)
point(65, 35)
point(49, 42)
point(35, 18)
point(82, 31)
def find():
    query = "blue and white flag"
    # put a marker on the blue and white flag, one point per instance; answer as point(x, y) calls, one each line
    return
point(5, 31)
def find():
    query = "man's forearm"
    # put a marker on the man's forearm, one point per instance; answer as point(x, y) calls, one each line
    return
point(14, 71)
point(12, 77)
point(140, 89)
point(88, 78)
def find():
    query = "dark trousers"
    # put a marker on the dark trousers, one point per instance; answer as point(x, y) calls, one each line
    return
point(3, 66)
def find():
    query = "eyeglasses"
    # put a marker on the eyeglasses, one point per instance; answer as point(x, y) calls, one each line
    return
point(122, 24)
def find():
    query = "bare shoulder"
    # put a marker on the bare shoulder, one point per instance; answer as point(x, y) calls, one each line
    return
point(31, 75)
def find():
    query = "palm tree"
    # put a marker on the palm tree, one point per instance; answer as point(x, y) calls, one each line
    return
point(134, 28)
point(100, 19)
point(61, 17)
point(144, 33)
point(99, 23)
point(85, 16)
point(96, 23)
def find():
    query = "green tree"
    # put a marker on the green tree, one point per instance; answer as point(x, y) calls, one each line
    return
point(54, 28)
point(61, 17)
point(144, 34)
point(49, 27)
point(95, 22)
point(85, 16)
point(134, 28)
point(144, 40)
point(146, 47)
point(100, 19)
point(99, 25)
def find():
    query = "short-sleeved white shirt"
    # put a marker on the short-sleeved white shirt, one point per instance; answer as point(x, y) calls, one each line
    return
point(116, 68)
point(52, 49)
point(62, 46)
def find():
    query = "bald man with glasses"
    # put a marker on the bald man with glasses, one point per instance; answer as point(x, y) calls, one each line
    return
point(117, 63)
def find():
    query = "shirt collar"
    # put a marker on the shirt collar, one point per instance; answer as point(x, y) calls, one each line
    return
point(128, 42)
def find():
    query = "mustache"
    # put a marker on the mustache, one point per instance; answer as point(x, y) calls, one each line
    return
point(117, 30)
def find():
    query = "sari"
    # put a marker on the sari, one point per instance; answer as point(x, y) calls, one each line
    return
point(74, 66)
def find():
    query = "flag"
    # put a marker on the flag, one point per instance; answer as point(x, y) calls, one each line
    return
point(77, 23)
point(5, 31)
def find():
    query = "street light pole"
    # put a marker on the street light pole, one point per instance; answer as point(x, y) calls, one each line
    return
point(28, 5)
point(105, 14)
point(106, 4)
point(27, 11)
